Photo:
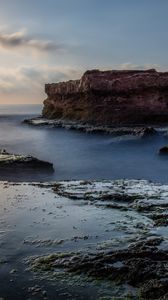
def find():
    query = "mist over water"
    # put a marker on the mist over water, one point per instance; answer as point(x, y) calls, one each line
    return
point(78, 155)
point(35, 220)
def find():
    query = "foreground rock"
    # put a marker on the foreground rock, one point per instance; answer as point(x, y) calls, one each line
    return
point(133, 261)
point(142, 266)
point(110, 98)
point(139, 195)
point(100, 240)
point(8, 160)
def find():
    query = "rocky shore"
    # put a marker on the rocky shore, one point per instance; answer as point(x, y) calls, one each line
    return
point(141, 266)
point(139, 263)
point(107, 239)
point(110, 98)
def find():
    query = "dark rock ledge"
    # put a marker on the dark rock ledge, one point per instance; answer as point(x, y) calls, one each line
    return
point(164, 150)
point(90, 128)
point(8, 160)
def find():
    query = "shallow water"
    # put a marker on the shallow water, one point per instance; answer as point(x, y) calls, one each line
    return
point(36, 221)
point(78, 155)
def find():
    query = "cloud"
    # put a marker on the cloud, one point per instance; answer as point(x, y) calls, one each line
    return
point(43, 74)
point(23, 41)
point(31, 79)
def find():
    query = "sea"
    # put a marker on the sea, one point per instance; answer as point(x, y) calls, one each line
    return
point(78, 155)
point(35, 221)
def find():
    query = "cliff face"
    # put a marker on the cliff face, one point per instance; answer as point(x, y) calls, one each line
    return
point(110, 97)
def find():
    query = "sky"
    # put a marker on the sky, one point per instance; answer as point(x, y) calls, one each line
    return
point(44, 41)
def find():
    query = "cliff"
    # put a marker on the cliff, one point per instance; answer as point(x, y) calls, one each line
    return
point(110, 97)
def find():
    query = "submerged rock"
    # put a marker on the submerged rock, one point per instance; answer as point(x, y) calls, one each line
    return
point(8, 160)
point(164, 150)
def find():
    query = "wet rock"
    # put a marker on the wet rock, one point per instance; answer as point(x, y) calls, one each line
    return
point(142, 266)
point(148, 131)
point(164, 150)
point(8, 160)
point(90, 128)
point(40, 121)
point(13, 271)
point(140, 195)
point(154, 289)
point(160, 219)
point(46, 243)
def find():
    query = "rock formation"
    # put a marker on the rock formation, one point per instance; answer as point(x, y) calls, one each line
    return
point(8, 160)
point(110, 98)
point(164, 150)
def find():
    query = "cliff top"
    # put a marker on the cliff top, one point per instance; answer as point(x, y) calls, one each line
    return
point(111, 81)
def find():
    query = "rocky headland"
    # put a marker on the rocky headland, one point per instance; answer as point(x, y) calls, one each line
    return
point(113, 102)
point(110, 98)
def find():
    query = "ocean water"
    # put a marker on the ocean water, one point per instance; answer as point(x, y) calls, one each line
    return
point(32, 217)
point(78, 155)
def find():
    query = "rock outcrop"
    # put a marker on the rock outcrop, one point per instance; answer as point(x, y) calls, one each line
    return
point(164, 150)
point(8, 160)
point(89, 128)
point(110, 98)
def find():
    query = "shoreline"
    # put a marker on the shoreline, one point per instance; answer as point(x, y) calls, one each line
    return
point(97, 235)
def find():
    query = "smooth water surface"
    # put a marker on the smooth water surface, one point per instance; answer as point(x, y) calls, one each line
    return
point(78, 155)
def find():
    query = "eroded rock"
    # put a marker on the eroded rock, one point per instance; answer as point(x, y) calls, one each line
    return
point(142, 266)
point(110, 97)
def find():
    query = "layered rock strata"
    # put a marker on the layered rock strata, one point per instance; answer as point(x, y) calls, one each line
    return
point(110, 98)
